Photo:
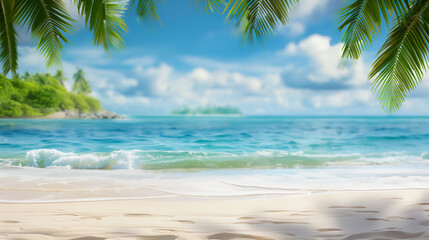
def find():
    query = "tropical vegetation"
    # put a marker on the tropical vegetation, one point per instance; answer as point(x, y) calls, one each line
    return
point(80, 85)
point(208, 110)
point(399, 67)
point(35, 95)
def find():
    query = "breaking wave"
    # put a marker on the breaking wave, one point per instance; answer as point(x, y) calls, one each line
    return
point(170, 160)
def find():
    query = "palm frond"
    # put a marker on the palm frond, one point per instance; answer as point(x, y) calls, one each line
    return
point(47, 20)
point(362, 22)
point(403, 59)
point(8, 38)
point(259, 18)
point(105, 20)
point(146, 10)
point(211, 5)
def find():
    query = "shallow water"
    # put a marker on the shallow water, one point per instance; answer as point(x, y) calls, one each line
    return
point(146, 157)
point(164, 143)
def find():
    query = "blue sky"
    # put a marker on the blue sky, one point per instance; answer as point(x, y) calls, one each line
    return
point(191, 58)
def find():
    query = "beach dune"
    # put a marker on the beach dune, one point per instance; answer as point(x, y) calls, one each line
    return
point(348, 215)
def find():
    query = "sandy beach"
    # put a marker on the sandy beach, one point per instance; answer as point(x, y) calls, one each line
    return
point(225, 178)
point(214, 120)
point(348, 215)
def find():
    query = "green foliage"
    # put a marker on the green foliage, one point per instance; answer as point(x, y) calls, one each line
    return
point(362, 23)
point(28, 111)
point(44, 79)
point(105, 20)
point(8, 37)
point(259, 18)
point(66, 101)
point(47, 20)
point(80, 85)
point(94, 104)
point(6, 88)
point(61, 78)
point(212, 5)
point(403, 59)
point(39, 95)
point(146, 9)
point(10, 108)
point(79, 102)
point(209, 110)
point(43, 97)
point(17, 97)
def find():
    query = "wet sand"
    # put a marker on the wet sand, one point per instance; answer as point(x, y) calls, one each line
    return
point(348, 215)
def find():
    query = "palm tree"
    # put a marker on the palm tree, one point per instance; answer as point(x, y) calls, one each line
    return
point(40, 78)
point(61, 78)
point(80, 85)
point(18, 76)
point(26, 75)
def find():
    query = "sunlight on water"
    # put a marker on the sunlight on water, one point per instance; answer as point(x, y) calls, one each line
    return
point(209, 157)
point(157, 143)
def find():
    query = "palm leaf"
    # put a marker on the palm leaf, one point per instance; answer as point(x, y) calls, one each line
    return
point(146, 10)
point(362, 22)
point(47, 20)
point(259, 18)
point(211, 5)
point(104, 18)
point(403, 59)
point(8, 38)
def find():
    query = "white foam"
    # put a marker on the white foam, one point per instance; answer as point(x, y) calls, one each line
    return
point(139, 159)
point(46, 158)
point(52, 185)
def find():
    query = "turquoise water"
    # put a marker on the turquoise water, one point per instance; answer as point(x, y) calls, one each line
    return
point(194, 143)
point(162, 157)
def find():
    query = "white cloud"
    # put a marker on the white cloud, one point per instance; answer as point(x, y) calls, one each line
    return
point(306, 8)
point(248, 65)
point(325, 61)
point(160, 77)
point(290, 49)
point(343, 99)
point(326, 58)
point(140, 85)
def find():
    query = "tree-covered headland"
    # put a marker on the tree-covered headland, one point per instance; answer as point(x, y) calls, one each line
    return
point(36, 95)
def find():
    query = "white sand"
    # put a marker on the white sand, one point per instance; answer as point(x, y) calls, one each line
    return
point(388, 214)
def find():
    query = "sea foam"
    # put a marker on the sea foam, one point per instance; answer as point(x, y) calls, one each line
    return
point(43, 158)
point(169, 160)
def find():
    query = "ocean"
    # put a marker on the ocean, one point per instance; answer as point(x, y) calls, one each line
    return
point(210, 156)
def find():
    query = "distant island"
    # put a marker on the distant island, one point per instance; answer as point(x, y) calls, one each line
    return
point(45, 96)
point(208, 110)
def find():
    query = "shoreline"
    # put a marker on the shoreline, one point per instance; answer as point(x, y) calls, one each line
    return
point(390, 214)
point(176, 197)
point(41, 185)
